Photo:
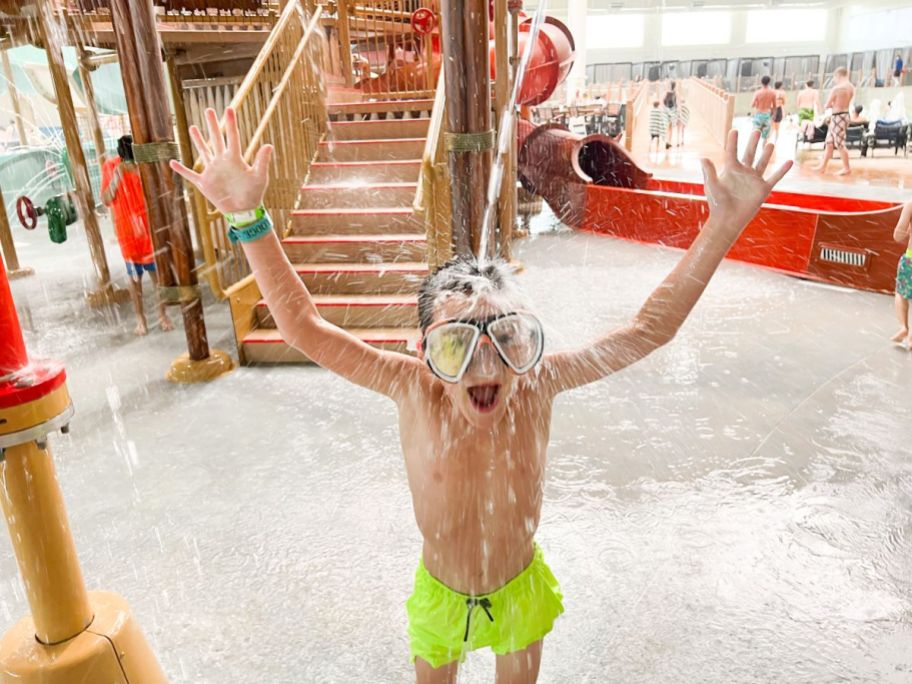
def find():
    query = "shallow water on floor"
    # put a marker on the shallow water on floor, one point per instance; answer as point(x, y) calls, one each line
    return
point(736, 508)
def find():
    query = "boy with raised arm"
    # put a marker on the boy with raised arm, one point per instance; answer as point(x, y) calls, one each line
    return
point(475, 406)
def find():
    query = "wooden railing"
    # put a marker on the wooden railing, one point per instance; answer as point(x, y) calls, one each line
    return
point(432, 200)
point(714, 105)
point(379, 51)
point(280, 101)
point(185, 8)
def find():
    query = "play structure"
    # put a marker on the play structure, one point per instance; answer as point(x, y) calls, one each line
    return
point(592, 184)
point(72, 635)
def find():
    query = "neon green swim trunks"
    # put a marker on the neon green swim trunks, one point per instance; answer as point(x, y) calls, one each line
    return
point(444, 625)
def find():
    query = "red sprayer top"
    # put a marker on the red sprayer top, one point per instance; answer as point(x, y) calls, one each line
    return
point(12, 347)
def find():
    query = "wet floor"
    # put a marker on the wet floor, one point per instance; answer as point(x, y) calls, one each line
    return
point(736, 508)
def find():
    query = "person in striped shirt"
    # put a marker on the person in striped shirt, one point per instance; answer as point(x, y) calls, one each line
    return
point(683, 118)
point(657, 126)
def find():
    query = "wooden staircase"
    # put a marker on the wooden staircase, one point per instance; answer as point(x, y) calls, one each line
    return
point(355, 240)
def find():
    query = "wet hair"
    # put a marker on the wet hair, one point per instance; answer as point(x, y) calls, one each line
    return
point(125, 147)
point(841, 71)
point(656, 103)
point(765, 80)
point(810, 84)
point(777, 85)
point(462, 275)
point(859, 109)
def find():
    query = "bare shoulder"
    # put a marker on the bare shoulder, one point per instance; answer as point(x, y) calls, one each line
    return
point(420, 388)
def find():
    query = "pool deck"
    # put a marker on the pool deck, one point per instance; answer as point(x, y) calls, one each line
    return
point(735, 508)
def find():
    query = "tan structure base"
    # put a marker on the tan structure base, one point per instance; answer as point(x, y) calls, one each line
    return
point(112, 650)
point(20, 273)
point(107, 296)
point(185, 370)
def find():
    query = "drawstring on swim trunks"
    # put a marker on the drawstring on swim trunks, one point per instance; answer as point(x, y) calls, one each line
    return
point(485, 603)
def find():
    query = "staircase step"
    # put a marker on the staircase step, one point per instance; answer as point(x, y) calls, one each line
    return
point(352, 278)
point(266, 345)
point(358, 311)
point(371, 150)
point(349, 196)
point(398, 171)
point(370, 221)
point(387, 247)
point(389, 129)
point(380, 106)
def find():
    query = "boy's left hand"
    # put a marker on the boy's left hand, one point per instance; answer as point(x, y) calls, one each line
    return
point(735, 195)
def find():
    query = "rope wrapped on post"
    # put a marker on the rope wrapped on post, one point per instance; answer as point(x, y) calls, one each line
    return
point(469, 142)
point(155, 152)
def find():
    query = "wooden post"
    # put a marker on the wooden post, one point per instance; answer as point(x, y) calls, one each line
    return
point(14, 97)
point(85, 200)
point(183, 128)
point(469, 139)
point(150, 121)
point(8, 247)
point(345, 51)
point(85, 73)
point(502, 85)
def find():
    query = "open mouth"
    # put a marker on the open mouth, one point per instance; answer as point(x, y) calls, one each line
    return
point(484, 397)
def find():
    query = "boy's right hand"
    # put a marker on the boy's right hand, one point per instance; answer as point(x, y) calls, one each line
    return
point(227, 181)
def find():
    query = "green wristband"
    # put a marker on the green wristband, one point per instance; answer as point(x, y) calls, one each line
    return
point(242, 219)
point(252, 232)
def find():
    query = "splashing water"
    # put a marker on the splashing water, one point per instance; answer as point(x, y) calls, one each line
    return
point(504, 139)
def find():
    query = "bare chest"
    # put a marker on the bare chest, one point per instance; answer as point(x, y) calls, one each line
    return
point(473, 486)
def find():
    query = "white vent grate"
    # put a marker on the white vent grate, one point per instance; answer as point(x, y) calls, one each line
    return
point(843, 256)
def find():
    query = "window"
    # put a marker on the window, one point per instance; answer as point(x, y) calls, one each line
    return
point(696, 28)
point(786, 26)
point(608, 31)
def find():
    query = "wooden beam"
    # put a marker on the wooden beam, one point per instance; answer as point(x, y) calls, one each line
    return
point(467, 78)
point(502, 83)
point(8, 247)
point(345, 52)
point(14, 96)
point(85, 200)
point(150, 120)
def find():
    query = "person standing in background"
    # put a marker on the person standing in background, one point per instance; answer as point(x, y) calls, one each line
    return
point(763, 105)
point(121, 189)
point(898, 70)
point(838, 102)
point(807, 108)
point(683, 118)
point(779, 111)
point(671, 113)
point(657, 126)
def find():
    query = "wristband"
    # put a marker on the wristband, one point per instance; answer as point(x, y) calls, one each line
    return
point(254, 231)
point(242, 219)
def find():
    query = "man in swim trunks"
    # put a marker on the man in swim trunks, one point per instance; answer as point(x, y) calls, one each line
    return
point(839, 101)
point(903, 235)
point(475, 405)
point(763, 106)
point(807, 108)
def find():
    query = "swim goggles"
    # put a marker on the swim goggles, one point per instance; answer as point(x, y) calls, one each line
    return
point(450, 345)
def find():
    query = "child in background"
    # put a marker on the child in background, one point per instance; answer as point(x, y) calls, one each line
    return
point(121, 189)
point(657, 126)
point(475, 405)
point(683, 118)
point(903, 235)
